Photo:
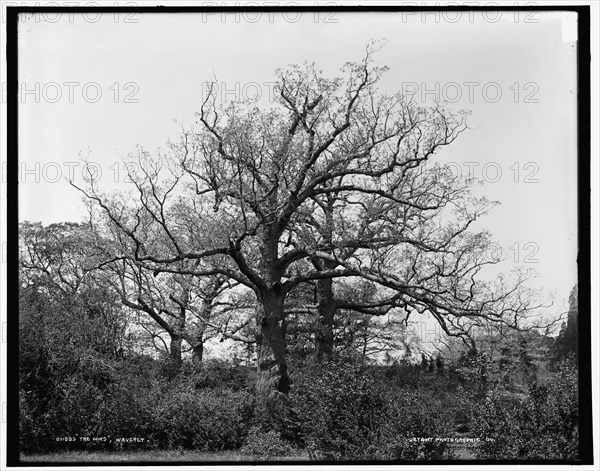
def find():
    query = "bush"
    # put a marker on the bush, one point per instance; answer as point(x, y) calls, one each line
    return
point(266, 444)
point(347, 411)
point(35, 434)
point(218, 373)
point(543, 425)
point(75, 408)
point(337, 411)
point(414, 414)
point(136, 401)
point(209, 420)
point(128, 411)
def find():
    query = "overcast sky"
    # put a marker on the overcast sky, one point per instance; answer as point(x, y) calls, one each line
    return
point(100, 85)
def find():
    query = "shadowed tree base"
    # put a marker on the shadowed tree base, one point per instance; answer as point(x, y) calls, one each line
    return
point(271, 395)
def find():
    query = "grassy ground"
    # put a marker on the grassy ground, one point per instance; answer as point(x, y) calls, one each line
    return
point(130, 456)
point(140, 456)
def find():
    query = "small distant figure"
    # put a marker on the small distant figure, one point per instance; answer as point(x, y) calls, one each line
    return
point(439, 363)
point(424, 362)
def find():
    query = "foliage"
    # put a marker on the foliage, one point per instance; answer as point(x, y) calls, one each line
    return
point(35, 432)
point(219, 373)
point(205, 420)
point(266, 444)
point(542, 425)
point(167, 414)
point(347, 410)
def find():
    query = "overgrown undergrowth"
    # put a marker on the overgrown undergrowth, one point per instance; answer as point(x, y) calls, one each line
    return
point(344, 409)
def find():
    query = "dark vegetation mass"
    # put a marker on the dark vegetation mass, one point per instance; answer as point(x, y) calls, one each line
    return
point(83, 375)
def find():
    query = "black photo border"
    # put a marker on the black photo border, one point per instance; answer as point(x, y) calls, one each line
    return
point(584, 222)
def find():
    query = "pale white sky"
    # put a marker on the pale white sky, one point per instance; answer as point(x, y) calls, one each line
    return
point(106, 84)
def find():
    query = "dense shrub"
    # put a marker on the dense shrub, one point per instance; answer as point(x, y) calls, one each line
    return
point(337, 410)
point(266, 444)
point(35, 430)
point(543, 425)
point(129, 411)
point(134, 400)
point(76, 406)
point(345, 409)
point(207, 420)
point(348, 411)
point(218, 373)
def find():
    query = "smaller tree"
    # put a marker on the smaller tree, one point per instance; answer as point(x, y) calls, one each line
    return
point(566, 342)
point(187, 308)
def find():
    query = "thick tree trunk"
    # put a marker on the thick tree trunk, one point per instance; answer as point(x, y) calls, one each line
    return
point(270, 316)
point(197, 342)
point(206, 314)
point(273, 382)
point(271, 345)
point(197, 353)
point(325, 312)
point(325, 301)
point(175, 350)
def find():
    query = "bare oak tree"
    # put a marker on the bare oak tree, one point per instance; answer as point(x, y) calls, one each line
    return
point(337, 181)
